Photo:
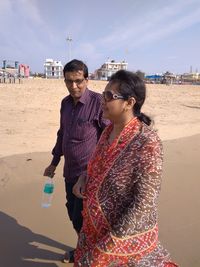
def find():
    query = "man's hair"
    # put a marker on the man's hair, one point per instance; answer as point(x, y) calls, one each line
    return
point(76, 65)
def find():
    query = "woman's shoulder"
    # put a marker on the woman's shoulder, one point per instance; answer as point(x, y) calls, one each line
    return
point(148, 135)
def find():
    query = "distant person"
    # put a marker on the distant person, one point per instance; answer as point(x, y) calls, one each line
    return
point(120, 214)
point(81, 125)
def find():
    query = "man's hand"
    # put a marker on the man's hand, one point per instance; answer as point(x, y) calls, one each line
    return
point(79, 188)
point(50, 171)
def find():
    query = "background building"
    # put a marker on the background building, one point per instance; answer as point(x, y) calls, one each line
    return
point(53, 69)
point(10, 68)
point(24, 70)
point(109, 68)
point(190, 77)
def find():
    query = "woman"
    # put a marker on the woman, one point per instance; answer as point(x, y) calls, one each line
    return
point(123, 184)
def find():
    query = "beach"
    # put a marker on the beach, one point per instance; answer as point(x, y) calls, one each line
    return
point(29, 117)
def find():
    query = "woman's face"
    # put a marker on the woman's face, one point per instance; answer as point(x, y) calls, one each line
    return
point(113, 108)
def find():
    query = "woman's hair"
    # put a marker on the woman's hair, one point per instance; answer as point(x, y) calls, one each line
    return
point(76, 65)
point(131, 85)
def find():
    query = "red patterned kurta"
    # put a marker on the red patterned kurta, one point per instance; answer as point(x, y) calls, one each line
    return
point(120, 210)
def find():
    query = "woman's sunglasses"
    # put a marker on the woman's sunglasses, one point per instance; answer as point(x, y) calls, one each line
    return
point(109, 96)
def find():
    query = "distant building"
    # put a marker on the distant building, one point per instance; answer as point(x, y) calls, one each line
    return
point(109, 68)
point(53, 69)
point(164, 78)
point(190, 76)
point(14, 69)
point(24, 70)
point(169, 78)
point(10, 68)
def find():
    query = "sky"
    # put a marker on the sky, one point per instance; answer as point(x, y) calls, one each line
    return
point(153, 36)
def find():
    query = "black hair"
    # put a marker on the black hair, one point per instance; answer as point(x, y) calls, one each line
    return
point(131, 85)
point(76, 65)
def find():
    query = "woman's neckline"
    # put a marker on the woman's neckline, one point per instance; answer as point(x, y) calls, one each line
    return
point(117, 138)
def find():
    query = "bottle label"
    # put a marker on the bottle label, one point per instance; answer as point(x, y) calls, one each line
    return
point(48, 188)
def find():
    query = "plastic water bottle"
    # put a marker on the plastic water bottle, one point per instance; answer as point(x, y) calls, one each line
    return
point(47, 193)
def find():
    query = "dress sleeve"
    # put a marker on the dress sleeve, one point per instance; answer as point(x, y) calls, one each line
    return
point(141, 213)
point(57, 150)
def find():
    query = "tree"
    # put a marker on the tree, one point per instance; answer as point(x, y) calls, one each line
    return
point(140, 74)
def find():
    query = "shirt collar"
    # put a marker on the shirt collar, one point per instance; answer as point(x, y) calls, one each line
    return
point(85, 97)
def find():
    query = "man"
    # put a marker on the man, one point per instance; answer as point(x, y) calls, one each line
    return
point(81, 125)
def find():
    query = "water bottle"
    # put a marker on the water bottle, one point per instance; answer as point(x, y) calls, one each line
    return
point(47, 193)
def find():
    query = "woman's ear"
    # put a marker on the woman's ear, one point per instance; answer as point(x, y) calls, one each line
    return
point(131, 102)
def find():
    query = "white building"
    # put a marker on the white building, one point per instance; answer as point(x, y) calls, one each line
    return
point(53, 69)
point(191, 76)
point(109, 68)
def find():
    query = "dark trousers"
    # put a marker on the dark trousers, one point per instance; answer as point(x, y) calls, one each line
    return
point(74, 207)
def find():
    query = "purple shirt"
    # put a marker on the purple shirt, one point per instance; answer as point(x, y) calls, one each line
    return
point(80, 128)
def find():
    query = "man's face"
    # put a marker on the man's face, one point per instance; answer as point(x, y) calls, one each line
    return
point(76, 83)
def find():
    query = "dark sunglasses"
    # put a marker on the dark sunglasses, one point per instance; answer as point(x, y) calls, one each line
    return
point(109, 96)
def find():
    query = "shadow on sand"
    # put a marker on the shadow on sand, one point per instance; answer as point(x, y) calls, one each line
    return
point(19, 246)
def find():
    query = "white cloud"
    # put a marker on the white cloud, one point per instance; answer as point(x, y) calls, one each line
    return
point(169, 29)
point(30, 10)
point(5, 11)
point(89, 54)
point(87, 50)
point(156, 24)
point(5, 6)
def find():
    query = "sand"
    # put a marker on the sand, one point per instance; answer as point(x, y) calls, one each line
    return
point(29, 117)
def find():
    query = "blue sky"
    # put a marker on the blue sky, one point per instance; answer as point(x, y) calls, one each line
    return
point(151, 35)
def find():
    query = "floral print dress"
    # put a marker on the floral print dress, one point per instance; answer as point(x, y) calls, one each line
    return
point(120, 209)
